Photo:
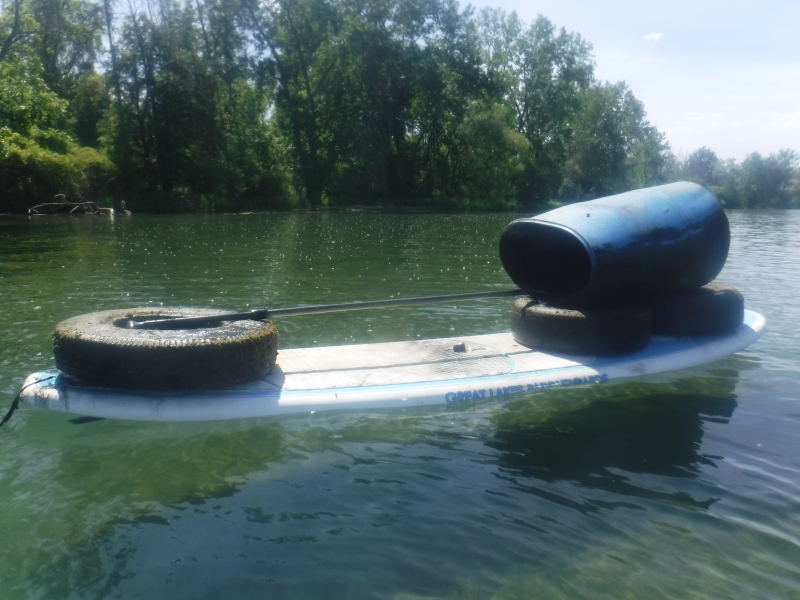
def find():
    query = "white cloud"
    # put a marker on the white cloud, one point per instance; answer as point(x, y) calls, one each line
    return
point(653, 37)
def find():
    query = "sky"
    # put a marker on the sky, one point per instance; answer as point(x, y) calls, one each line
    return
point(720, 74)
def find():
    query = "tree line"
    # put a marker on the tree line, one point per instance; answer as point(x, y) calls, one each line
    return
point(247, 104)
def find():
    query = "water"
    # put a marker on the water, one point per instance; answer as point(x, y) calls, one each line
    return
point(682, 486)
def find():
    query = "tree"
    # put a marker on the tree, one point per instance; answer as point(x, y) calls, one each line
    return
point(701, 166)
point(758, 182)
point(770, 182)
point(369, 93)
point(540, 74)
point(14, 28)
point(67, 40)
point(488, 162)
point(251, 103)
point(38, 158)
point(299, 50)
point(614, 148)
point(444, 80)
point(191, 128)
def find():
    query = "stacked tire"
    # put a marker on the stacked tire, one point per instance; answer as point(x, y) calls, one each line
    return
point(626, 327)
point(581, 330)
point(712, 309)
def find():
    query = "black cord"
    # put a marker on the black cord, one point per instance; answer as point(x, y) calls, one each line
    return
point(15, 402)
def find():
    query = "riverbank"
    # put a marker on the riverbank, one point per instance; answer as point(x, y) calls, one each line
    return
point(433, 206)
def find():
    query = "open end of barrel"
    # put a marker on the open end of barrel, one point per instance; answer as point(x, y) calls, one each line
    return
point(545, 259)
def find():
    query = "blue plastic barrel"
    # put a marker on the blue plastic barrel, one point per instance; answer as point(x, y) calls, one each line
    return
point(635, 244)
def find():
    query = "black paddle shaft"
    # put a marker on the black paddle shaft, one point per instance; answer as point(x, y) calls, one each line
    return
point(265, 313)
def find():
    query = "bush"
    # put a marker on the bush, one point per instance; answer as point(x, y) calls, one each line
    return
point(38, 159)
point(36, 168)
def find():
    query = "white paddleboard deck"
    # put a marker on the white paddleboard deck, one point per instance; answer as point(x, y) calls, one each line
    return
point(389, 375)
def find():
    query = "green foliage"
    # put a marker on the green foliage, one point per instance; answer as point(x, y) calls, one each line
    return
point(89, 103)
point(771, 182)
point(703, 167)
point(488, 160)
point(25, 100)
point(38, 159)
point(34, 169)
point(614, 148)
point(540, 74)
point(191, 130)
point(66, 40)
point(242, 104)
point(370, 94)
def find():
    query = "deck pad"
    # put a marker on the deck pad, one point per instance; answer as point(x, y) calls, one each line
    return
point(458, 369)
point(409, 362)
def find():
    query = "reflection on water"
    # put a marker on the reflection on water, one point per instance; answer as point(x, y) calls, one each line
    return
point(684, 485)
point(594, 445)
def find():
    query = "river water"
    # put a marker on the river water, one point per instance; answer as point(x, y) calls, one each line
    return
point(680, 486)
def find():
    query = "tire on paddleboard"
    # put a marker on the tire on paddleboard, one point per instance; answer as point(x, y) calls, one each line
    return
point(97, 349)
point(708, 310)
point(597, 330)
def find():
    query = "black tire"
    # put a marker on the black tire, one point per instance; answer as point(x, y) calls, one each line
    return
point(614, 330)
point(709, 310)
point(94, 350)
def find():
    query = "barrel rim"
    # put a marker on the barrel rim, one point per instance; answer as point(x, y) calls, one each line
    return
point(587, 248)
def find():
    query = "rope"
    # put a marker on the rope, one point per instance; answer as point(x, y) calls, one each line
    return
point(15, 402)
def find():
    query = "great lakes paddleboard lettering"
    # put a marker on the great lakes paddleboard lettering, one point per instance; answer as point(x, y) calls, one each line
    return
point(467, 395)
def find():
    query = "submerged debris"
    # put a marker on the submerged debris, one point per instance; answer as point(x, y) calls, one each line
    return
point(70, 208)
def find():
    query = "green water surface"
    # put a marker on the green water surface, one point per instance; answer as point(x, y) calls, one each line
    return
point(680, 486)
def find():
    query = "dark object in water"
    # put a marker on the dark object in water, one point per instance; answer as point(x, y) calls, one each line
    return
point(70, 208)
point(637, 244)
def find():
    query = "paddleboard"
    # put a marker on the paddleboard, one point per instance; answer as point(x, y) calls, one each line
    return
point(413, 373)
